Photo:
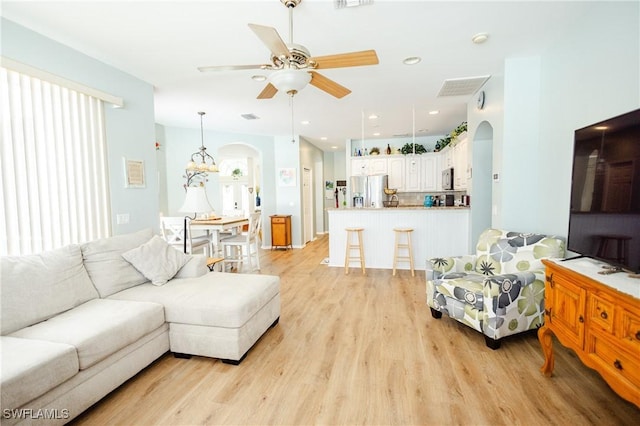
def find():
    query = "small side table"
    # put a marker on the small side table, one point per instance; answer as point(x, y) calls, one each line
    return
point(281, 231)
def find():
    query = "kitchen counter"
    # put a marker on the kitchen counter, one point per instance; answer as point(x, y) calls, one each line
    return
point(406, 207)
point(438, 232)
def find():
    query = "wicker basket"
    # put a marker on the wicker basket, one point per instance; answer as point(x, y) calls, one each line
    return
point(392, 203)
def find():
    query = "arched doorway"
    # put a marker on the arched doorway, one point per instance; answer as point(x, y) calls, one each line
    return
point(482, 180)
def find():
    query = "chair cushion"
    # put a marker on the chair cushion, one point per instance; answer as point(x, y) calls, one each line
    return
point(216, 299)
point(98, 328)
point(108, 270)
point(39, 286)
point(32, 367)
point(504, 252)
point(157, 260)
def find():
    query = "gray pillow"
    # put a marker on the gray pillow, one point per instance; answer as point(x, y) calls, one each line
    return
point(156, 260)
point(108, 270)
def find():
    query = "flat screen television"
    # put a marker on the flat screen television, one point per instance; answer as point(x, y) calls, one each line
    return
point(604, 221)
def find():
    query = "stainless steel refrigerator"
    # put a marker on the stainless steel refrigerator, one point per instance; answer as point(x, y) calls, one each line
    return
point(370, 188)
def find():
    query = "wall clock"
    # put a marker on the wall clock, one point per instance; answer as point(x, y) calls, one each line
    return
point(480, 102)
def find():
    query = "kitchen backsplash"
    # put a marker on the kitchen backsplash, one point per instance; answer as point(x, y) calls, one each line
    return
point(417, 198)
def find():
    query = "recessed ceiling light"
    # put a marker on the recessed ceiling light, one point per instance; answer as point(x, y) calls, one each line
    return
point(334, 147)
point(376, 134)
point(324, 138)
point(411, 60)
point(480, 38)
point(305, 122)
point(434, 112)
point(373, 117)
point(258, 77)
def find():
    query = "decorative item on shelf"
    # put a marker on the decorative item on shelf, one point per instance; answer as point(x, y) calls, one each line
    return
point(257, 196)
point(451, 138)
point(408, 149)
point(197, 172)
point(236, 173)
point(375, 151)
point(157, 146)
point(388, 149)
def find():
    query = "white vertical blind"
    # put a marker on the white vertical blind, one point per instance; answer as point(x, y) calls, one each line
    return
point(54, 189)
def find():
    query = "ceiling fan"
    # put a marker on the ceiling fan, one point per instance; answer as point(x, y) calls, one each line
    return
point(293, 64)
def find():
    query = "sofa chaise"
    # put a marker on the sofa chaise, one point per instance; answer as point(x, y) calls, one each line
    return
point(78, 321)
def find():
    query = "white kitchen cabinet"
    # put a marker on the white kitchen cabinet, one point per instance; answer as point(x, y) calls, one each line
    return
point(359, 166)
point(378, 165)
point(412, 173)
point(395, 170)
point(430, 172)
point(446, 157)
point(461, 164)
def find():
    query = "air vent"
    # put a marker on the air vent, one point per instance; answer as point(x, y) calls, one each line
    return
point(249, 116)
point(351, 3)
point(462, 86)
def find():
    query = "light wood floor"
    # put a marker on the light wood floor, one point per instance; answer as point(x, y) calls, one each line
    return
point(364, 350)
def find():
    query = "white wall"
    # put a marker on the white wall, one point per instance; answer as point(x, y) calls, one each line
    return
point(311, 157)
point(590, 74)
point(129, 130)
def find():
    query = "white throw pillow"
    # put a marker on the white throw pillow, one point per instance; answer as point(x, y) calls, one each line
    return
point(156, 260)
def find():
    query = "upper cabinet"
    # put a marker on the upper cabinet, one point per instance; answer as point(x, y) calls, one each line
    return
point(431, 173)
point(395, 171)
point(461, 166)
point(413, 173)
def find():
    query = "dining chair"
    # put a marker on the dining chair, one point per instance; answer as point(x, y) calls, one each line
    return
point(173, 233)
point(237, 248)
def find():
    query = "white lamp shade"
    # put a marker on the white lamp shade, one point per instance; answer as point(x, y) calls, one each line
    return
point(196, 201)
point(288, 80)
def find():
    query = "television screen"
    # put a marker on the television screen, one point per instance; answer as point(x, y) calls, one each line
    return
point(604, 220)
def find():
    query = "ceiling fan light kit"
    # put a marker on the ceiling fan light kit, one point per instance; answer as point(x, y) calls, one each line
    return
point(290, 81)
point(293, 64)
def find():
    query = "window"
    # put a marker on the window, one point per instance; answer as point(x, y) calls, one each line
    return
point(54, 187)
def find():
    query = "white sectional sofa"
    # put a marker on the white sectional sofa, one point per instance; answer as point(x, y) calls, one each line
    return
point(77, 322)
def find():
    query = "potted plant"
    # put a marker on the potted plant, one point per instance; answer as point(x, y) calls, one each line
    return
point(236, 173)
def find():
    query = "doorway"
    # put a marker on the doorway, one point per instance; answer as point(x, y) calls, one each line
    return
point(307, 205)
point(482, 181)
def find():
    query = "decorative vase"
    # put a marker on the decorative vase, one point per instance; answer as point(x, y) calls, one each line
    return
point(257, 201)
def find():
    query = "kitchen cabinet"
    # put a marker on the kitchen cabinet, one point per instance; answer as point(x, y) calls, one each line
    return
point(599, 322)
point(395, 170)
point(412, 174)
point(377, 165)
point(359, 166)
point(461, 164)
point(430, 173)
point(281, 231)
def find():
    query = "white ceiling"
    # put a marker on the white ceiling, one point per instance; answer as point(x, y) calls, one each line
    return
point(163, 43)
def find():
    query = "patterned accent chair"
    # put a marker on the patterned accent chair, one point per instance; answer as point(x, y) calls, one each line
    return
point(499, 291)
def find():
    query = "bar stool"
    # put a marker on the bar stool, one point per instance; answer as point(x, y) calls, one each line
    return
point(621, 247)
point(351, 246)
point(405, 246)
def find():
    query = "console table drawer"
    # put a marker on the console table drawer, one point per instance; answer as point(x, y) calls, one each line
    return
point(616, 361)
point(601, 312)
point(630, 330)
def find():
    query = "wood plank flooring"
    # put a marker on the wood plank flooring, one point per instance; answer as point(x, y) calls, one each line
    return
point(364, 350)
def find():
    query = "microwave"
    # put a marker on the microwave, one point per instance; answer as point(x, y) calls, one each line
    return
point(447, 179)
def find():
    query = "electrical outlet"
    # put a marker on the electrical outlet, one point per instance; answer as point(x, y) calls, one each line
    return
point(122, 219)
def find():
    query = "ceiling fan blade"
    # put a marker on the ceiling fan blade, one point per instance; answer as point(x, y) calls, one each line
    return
point(233, 67)
point(329, 86)
point(353, 59)
point(271, 38)
point(268, 92)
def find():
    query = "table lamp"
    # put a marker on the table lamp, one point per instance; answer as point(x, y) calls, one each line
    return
point(195, 201)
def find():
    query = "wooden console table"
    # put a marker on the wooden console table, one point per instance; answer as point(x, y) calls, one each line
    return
point(598, 317)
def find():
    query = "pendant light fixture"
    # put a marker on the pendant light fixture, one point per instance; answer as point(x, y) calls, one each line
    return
point(201, 162)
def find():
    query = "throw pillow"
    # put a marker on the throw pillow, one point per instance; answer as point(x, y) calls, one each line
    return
point(156, 260)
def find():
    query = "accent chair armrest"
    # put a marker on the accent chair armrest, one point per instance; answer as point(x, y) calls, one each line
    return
point(440, 267)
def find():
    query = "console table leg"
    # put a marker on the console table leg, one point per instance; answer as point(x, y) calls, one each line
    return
point(546, 341)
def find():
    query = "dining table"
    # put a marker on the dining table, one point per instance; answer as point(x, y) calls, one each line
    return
point(217, 225)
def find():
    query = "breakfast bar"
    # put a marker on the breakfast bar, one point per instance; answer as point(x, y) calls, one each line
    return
point(438, 231)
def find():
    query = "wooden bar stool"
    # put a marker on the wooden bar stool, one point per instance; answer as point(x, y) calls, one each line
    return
point(621, 247)
point(351, 246)
point(405, 246)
